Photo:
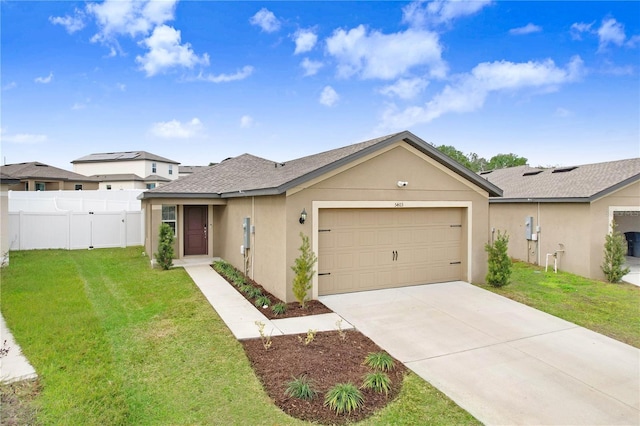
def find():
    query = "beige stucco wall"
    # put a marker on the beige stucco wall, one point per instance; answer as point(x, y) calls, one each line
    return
point(54, 185)
point(373, 180)
point(578, 228)
point(116, 186)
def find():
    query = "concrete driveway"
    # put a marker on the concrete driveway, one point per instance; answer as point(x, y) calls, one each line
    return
point(502, 361)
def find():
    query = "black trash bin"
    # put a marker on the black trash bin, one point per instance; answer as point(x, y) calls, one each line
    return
point(633, 243)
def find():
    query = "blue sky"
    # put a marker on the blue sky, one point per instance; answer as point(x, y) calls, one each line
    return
point(200, 81)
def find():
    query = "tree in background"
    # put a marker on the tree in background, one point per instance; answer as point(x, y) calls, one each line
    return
point(477, 164)
point(615, 249)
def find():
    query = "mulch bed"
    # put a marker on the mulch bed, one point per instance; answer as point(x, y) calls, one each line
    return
point(312, 307)
point(327, 360)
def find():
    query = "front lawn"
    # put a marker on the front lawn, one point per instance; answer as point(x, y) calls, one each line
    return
point(115, 342)
point(609, 309)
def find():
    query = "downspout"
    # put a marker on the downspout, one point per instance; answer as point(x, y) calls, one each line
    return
point(538, 229)
point(251, 234)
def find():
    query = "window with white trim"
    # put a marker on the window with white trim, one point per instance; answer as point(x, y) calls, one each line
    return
point(169, 215)
point(154, 167)
point(170, 169)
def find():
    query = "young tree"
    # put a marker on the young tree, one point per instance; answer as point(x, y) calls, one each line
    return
point(164, 256)
point(304, 269)
point(502, 161)
point(615, 249)
point(499, 261)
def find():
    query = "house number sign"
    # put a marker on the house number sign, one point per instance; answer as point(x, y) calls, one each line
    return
point(399, 204)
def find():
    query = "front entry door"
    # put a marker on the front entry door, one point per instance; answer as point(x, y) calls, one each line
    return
point(196, 232)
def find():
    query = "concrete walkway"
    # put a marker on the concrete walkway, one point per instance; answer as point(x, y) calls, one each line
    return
point(504, 362)
point(633, 277)
point(13, 367)
point(241, 316)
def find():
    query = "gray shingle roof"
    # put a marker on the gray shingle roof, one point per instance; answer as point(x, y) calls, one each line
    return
point(36, 170)
point(251, 175)
point(579, 183)
point(122, 156)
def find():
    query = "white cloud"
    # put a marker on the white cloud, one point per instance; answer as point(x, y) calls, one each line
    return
point(246, 121)
point(633, 41)
point(420, 13)
point(245, 72)
point(165, 51)
point(131, 17)
point(405, 88)
point(174, 129)
point(610, 32)
point(121, 86)
point(305, 41)
point(310, 67)
point(329, 97)
point(469, 92)
point(385, 56)
point(10, 86)
point(562, 112)
point(527, 29)
point(578, 28)
point(266, 20)
point(78, 106)
point(22, 138)
point(71, 23)
point(44, 80)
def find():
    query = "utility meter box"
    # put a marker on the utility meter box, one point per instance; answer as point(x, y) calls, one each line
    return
point(246, 228)
point(528, 227)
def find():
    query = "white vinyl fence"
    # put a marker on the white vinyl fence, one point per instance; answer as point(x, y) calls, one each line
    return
point(49, 227)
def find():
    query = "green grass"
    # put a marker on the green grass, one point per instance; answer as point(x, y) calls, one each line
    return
point(115, 342)
point(609, 309)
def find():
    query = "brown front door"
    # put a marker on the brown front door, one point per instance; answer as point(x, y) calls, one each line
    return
point(195, 230)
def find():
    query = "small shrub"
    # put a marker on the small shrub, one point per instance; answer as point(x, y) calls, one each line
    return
point(377, 381)
point(238, 281)
point(304, 271)
point(262, 301)
point(499, 261)
point(344, 397)
point(341, 332)
point(246, 289)
point(279, 308)
point(165, 254)
point(253, 292)
point(266, 340)
point(380, 361)
point(302, 388)
point(615, 249)
point(311, 335)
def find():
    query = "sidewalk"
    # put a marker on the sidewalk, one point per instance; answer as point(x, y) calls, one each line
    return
point(13, 367)
point(241, 316)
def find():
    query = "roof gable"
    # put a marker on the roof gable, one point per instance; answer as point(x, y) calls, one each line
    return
point(576, 183)
point(250, 175)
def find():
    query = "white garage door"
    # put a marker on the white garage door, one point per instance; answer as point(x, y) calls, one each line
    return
point(366, 249)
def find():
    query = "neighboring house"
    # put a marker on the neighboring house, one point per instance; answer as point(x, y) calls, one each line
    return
point(6, 182)
point(127, 170)
point(565, 211)
point(388, 212)
point(35, 176)
point(187, 170)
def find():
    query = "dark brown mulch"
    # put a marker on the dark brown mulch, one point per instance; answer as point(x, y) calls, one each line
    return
point(312, 307)
point(327, 360)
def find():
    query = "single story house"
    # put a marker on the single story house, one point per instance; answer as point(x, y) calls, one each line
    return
point(563, 214)
point(6, 182)
point(36, 176)
point(127, 170)
point(387, 212)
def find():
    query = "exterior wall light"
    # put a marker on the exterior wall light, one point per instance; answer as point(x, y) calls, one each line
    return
point(303, 216)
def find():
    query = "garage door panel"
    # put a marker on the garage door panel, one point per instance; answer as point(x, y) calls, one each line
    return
point(383, 248)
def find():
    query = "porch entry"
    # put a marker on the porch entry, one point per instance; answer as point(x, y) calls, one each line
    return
point(195, 230)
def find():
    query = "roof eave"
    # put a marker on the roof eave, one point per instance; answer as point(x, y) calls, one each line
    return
point(540, 200)
point(150, 194)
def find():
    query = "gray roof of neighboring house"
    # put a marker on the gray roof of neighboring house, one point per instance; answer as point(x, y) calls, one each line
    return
point(122, 156)
point(249, 175)
point(124, 177)
point(8, 180)
point(36, 170)
point(190, 169)
point(583, 183)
